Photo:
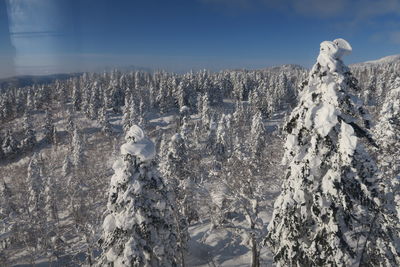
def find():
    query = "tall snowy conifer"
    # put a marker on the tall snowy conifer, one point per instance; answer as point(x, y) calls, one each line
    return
point(78, 155)
point(222, 145)
point(76, 98)
point(67, 166)
point(29, 140)
point(10, 145)
point(126, 117)
point(50, 199)
point(105, 124)
point(140, 229)
point(239, 116)
point(387, 132)
point(174, 167)
point(49, 127)
point(330, 211)
point(211, 138)
point(95, 101)
point(2, 155)
point(205, 111)
point(258, 135)
point(70, 123)
point(35, 187)
point(6, 206)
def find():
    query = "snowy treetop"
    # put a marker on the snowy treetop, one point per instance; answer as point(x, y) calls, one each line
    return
point(138, 144)
point(331, 52)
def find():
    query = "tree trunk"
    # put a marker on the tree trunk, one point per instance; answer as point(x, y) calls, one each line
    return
point(255, 259)
point(182, 258)
point(89, 256)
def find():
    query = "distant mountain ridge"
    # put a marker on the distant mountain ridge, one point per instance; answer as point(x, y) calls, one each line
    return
point(28, 80)
point(384, 60)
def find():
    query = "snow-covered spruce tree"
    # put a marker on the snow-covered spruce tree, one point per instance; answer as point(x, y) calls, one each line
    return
point(205, 111)
point(105, 124)
point(222, 145)
point(70, 123)
point(29, 140)
point(43, 96)
point(182, 90)
point(211, 138)
point(174, 168)
point(142, 122)
point(62, 94)
point(140, 229)
point(2, 155)
point(95, 102)
point(185, 129)
point(76, 97)
point(142, 107)
point(239, 116)
point(78, 156)
point(164, 97)
point(35, 187)
point(50, 199)
point(255, 100)
point(126, 117)
point(7, 209)
point(257, 136)
point(330, 210)
point(30, 102)
point(387, 132)
point(6, 205)
point(76, 185)
point(34, 233)
point(67, 166)
point(134, 114)
point(184, 117)
point(5, 109)
point(117, 98)
point(49, 127)
point(10, 145)
point(54, 137)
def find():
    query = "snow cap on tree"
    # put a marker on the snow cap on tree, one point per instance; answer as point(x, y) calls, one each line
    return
point(138, 144)
point(331, 52)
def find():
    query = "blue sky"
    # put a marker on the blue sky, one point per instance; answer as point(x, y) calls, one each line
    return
point(47, 36)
